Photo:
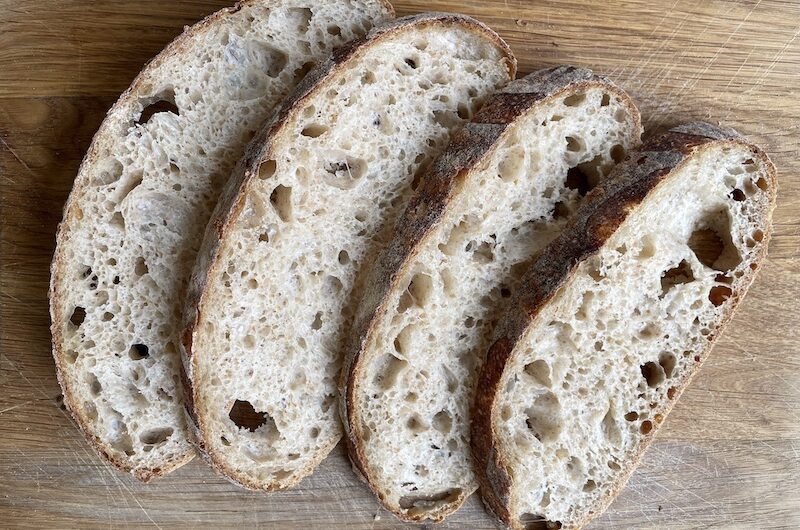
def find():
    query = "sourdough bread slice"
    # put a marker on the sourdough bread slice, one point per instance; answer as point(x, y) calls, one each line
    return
point(143, 195)
point(499, 193)
point(269, 301)
point(613, 320)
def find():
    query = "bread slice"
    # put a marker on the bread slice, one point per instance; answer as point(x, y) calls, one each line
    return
point(613, 320)
point(144, 192)
point(269, 302)
point(499, 193)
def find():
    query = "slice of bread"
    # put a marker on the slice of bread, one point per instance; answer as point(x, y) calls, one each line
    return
point(270, 299)
point(498, 194)
point(143, 195)
point(613, 320)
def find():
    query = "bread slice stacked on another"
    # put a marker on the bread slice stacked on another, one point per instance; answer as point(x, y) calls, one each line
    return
point(145, 190)
point(614, 319)
point(499, 193)
point(269, 302)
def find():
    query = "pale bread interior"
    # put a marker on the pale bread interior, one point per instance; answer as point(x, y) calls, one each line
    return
point(267, 347)
point(135, 219)
point(596, 371)
point(421, 364)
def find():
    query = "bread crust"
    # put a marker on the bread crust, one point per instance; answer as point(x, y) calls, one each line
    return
point(232, 201)
point(469, 146)
point(57, 268)
point(606, 208)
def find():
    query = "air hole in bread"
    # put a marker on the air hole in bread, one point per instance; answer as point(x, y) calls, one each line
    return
point(420, 504)
point(621, 115)
point(415, 424)
point(335, 30)
point(453, 242)
point(317, 323)
point(298, 380)
point(314, 130)
point(267, 169)
point(632, 416)
point(534, 521)
point(512, 165)
point(443, 422)
point(140, 267)
point(301, 71)
point(617, 153)
point(389, 372)
point(327, 402)
point(711, 242)
point(668, 363)
point(539, 370)
point(610, 427)
point(605, 100)
point(646, 427)
point(719, 294)
point(78, 316)
point(579, 180)
point(575, 144)
point(281, 201)
point(737, 195)
point(132, 181)
point(94, 384)
point(762, 184)
point(678, 275)
point(137, 352)
point(575, 99)
point(544, 417)
point(421, 288)
point(121, 440)
point(463, 111)
point(560, 210)
point(156, 436)
point(653, 373)
point(299, 17)
point(163, 102)
point(446, 118)
point(672, 392)
point(647, 249)
point(590, 485)
point(111, 174)
point(345, 173)
point(244, 416)
point(412, 63)
point(450, 380)
point(482, 252)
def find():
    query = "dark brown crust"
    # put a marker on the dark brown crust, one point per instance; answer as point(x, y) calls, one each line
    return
point(469, 147)
point(606, 208)
point(178, 46)
point(231, 202)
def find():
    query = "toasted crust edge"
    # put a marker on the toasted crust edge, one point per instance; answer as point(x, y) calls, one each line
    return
point(231, 203)
point(469, 147)
point(607, 207)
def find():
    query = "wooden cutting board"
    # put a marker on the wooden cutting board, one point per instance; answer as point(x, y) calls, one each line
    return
point(729, 455)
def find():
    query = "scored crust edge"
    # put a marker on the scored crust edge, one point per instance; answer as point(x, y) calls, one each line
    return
point(471, 145)
point(231, 203)
point(607, 207)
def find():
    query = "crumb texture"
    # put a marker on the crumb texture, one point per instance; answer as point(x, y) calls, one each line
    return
point(595, 373)
point(141, 200)
point(421, 363)
point(267, 347)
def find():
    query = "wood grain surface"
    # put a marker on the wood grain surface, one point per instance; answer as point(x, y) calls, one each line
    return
point(728, 457)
